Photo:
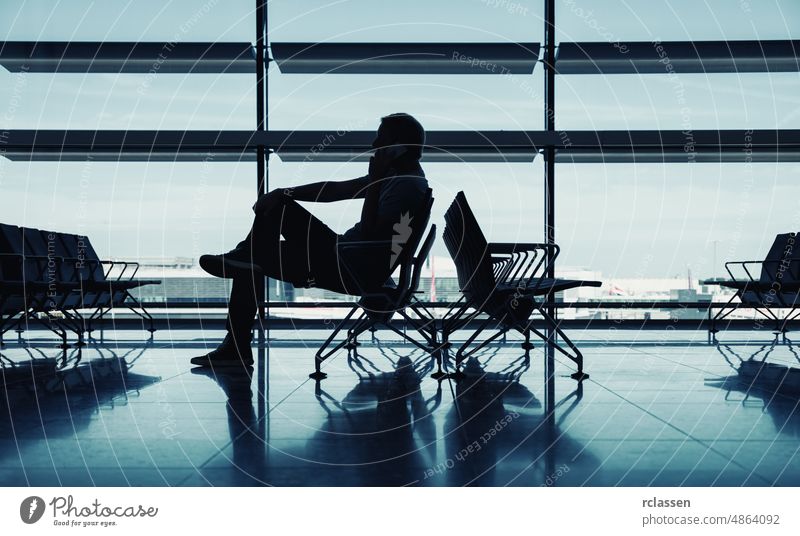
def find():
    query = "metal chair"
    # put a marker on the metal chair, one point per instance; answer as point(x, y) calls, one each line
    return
point(505, 282)
point(777, 287)
point(379, 303)
point(60, 275)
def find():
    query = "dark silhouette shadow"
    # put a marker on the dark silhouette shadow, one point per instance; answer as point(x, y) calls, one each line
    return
point(287, 242)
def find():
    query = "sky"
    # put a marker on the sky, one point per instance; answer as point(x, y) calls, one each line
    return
point(622, 220)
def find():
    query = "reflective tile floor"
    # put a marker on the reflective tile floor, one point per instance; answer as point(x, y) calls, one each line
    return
point(664, 411)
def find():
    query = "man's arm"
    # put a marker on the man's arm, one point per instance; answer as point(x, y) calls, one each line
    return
point(330, 191)
point(321, 192)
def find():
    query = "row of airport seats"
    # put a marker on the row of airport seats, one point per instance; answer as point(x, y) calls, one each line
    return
point(58, 280)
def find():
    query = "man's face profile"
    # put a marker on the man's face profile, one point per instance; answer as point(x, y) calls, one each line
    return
point(382, 138)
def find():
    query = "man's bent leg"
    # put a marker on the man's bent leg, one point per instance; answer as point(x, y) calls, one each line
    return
point(287, 260)
point(262, 245)
point(274, 259)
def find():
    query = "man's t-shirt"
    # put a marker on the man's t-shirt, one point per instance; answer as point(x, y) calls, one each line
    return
point(400, 198)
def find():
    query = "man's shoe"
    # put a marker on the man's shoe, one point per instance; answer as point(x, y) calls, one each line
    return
point(234, 264)
point(228, 354)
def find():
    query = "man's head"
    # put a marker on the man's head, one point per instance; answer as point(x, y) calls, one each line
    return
point(401, 129)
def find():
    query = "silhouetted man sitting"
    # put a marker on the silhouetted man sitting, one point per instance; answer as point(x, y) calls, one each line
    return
point(394, 188)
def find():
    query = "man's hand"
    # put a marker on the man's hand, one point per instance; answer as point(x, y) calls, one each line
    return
point(379, 165)
point(268, 200)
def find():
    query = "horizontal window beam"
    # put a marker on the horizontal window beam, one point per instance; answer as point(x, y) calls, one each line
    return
point(579, 146)
point(119, 57)
point(406, 58)
point(656, 57)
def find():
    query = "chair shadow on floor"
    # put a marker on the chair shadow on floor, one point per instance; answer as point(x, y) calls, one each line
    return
point(773, 387)
point(58, 395)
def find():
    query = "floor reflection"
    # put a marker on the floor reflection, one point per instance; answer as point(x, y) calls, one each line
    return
point(772, 387)
point(498, 434)
point(137, 414)
point(246, 435)
point(383, 427)
point(58, 394)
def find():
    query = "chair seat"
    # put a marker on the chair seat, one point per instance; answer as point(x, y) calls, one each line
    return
point(546, 286)
point(35, 286)
point(387, 297)
point(113, 284)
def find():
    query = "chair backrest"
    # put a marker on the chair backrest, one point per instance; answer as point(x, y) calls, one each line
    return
point(403, 252)
point(47, 244)
point(39, 243)
point(782, 262)
point(10, 243)
point(14, 242)
point(467, 245)
point(79, 247)
point(422, 256)
point(377, 270)
point(417, 264)
point(405, 243)
point(12, 239)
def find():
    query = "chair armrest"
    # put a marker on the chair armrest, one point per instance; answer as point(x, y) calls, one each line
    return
point(773, 279)
point(361, 244)
point(90, 262)
point(124, 264)
point(516, 247)
point(529, 262)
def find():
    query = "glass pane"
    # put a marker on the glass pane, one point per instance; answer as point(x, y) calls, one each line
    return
point(676, 20)
point(685, 102)
point(127, 101)
point(665, 221)
point(142, 20)
point(411, 20)
point(134, 210)
point(356, 102)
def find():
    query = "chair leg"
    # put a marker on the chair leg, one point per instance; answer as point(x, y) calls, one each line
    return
point(323, 353)
point(462, 352)
point(577, 358)
point(440, 349)
point(527, 345)
point(409, 338)
point(440, 374)
point(352, 333)
point(784, 327)
point(144, 314)
point(422, 329)
point(57, 329)
point(722, 314)
point(502, 332)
